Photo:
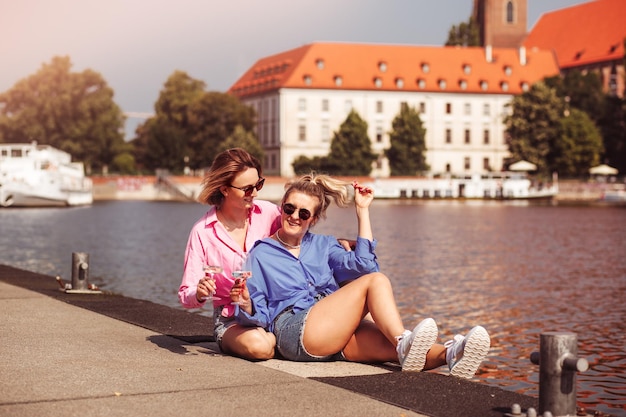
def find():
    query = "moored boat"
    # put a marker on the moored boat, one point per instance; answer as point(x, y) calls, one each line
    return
point(33, 175)
point(496, 185)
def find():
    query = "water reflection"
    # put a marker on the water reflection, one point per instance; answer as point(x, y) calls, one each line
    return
point(518, 269)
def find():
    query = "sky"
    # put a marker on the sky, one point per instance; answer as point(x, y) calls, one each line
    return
point(137, 44)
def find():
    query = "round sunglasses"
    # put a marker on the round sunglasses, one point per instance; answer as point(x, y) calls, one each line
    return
point(303, 213)
point(249, 189)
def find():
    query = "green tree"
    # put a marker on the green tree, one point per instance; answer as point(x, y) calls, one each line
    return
point(534, 126)
point(190, 125)
point(245, 139)
point(580, 91)
point(465, 34)
point(303, 165)
point(613, 127)
point(71, 111)
point(162, 141)
point(407, 151)
point(350, 149)
point(579, 147)
point(213, 118)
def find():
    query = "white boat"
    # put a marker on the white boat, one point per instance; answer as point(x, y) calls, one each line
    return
point(496, 185)
point(34, 175)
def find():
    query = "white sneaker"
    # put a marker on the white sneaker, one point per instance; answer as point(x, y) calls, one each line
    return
point(464, 354)
point(413, 346)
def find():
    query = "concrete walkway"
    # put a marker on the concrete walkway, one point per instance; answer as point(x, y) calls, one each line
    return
point(104, 355)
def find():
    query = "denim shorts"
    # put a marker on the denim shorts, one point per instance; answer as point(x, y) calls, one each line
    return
point(221, 324)
point(289, 331)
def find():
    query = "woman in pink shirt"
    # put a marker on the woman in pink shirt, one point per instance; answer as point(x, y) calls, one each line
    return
point(222, 237)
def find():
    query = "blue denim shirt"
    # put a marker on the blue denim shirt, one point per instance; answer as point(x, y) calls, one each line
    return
point(280, 280)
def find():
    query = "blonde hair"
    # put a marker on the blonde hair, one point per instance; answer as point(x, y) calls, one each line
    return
point(223, 171)
point(323, 187)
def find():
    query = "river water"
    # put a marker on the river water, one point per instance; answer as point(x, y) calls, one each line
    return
point(518, 269)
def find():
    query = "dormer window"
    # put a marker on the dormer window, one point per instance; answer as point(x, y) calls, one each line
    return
point(507, 70)
point(467, 69)
point(421, 83)
point(484, 85)
point(425, 68)
point(442, 84)
point(307, 80)
point(504, 86)
point(399, 83)
point(378, 82)
point(463, 84)
point(382, 66)
point(338, 80)
point(319, 64)
point(524, 86)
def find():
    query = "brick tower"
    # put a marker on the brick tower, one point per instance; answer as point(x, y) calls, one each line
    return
point(502, 22)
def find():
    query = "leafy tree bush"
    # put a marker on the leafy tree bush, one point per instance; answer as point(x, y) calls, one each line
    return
point(72, 111)
point(407, 151)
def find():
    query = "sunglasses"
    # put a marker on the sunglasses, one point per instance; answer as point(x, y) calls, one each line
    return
point(303, 213)
point(249, 189)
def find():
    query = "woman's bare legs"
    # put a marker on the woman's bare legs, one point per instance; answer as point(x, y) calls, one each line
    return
point(333, 320)
point(361, 340)
point(251, 343)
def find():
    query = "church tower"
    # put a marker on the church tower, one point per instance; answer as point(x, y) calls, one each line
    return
point(502, 22)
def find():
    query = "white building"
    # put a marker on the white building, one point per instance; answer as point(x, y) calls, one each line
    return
point(302, 96)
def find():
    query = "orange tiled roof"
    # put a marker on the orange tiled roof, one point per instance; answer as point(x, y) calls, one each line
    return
point(584, 34)
point(396, 68)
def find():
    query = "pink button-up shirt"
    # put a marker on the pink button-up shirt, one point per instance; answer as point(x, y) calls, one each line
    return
point(210, 244)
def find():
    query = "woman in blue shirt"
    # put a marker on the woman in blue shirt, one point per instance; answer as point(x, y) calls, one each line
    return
point(313, 295)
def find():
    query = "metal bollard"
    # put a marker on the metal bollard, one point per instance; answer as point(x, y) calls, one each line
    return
point(80, 271)
point(558, 364)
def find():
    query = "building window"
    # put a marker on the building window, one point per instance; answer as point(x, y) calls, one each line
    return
point(467, 69)
point(378, 82)
point(382, 66)
point(379, 134)
point(325, 105)
point(486, 137)
point(422, 107)
point(307, 80)
point(507, 70)
point(302, 104)
point(404, 105)
point(486, 109)
point(463, 84)
point(448, 108)
point(379, 107)
point(325, 133)
point(504, 85)
point(302, 132)
point(421, 83)
point(338, 81)
point(442, 84)
point(320, 64)
point(486, 165)
point(484, 85)
point(425, 68)
point(348, 106)
point(399, 83)
point(467, 109)
point(273, 163)
point(524, 86)
point(448, 168)
point(466, 163)
point(468, 138)
point(448, 135)
point(273, 139)
point(509, 12)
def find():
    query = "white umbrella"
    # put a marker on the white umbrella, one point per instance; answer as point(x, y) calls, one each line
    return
point(603, 170)
point(523, 166)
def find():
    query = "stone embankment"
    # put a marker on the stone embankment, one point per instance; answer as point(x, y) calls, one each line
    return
point(187, 188)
